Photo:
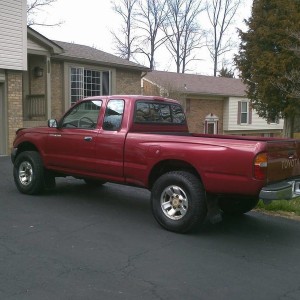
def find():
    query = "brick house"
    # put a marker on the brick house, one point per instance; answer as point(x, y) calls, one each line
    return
point(69, 72)
point(215, 105)
point(40, 78)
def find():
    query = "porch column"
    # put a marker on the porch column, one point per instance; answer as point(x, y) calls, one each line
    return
point(14, 104)
point(3, 115)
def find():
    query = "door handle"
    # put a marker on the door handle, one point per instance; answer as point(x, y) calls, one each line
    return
point(88, 138)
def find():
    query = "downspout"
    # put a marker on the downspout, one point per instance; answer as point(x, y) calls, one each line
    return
point(48, 80)
point(142, 82)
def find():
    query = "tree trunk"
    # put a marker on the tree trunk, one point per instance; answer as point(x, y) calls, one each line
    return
point(215, 64)
point(288, 127)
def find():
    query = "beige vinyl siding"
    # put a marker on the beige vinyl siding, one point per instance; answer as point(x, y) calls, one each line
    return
point(226, 115)
point(257, 122)
point(13, 35)
point(33, 47)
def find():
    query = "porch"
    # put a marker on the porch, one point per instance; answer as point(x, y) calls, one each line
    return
point(36, 83)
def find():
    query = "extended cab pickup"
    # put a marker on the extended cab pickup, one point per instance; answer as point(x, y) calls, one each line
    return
point(145, 142)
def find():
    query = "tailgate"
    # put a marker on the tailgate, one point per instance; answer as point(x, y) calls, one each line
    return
point(283, 160)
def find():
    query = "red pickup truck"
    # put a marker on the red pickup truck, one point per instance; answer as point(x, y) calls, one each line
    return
point(144, 141)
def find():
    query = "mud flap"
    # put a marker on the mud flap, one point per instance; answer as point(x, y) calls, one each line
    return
point(213, 210)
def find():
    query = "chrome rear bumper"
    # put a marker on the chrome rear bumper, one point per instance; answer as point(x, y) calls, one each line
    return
point(284, 190)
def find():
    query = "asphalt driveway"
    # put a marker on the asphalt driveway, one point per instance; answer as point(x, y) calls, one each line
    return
point(80, 243)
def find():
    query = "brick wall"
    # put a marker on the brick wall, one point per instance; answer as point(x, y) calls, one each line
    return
point(37, 85)
point(14, 105)
point(198, 109)
point(150, 89)
point(128, 82)
point(57, 90)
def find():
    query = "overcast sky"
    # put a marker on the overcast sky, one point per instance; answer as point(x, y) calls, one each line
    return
point(89, 22)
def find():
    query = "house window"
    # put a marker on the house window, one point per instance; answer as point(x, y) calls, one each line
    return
point(244, 113)
point(92, 80)
point(77, 81)
point(86, 82)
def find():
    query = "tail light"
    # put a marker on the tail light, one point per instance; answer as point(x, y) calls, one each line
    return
point(260, 166)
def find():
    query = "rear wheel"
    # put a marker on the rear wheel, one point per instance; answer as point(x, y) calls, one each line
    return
point(29, 173)
point(237, 205)
point(178, 201)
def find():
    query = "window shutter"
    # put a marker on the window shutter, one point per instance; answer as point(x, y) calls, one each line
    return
point(239, 112)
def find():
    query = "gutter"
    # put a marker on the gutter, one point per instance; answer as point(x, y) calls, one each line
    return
point(97, 62)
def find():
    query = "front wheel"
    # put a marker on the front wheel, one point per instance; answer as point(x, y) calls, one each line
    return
point(178, 201)
point(29, 173)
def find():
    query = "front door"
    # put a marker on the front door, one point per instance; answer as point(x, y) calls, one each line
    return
point(211, 124)
point(80, 147)
point(71, 147)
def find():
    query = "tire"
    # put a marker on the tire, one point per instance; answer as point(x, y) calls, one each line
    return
point(178, 201)
point(29, 173)
point(237, 205)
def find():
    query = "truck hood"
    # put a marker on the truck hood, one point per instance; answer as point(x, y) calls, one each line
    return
point(42, 129)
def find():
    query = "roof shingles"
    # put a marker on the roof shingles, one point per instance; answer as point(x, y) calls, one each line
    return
point(81, 52)
point(198, 84)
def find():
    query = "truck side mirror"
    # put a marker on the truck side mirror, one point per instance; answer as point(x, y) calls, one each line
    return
point(52, 123)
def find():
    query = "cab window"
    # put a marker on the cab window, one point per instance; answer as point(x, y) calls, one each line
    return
point(84, 115)
point(113, 115)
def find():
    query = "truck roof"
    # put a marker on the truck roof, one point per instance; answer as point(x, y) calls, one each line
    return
point(133, 98)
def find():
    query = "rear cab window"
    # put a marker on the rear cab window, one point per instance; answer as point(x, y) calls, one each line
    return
point(158, 113)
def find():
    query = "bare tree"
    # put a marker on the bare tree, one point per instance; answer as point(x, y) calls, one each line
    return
point(125, 39)
point(182, 31)
point(151, 15)
point(221, 14)
point(36, 6)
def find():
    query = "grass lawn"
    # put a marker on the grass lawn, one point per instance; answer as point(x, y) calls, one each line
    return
point(292, 206)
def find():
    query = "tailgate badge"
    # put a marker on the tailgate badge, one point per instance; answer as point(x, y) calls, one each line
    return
point(291, 162)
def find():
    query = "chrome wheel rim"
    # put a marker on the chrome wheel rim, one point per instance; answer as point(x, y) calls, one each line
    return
point(174, 202)
point(25, 173)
